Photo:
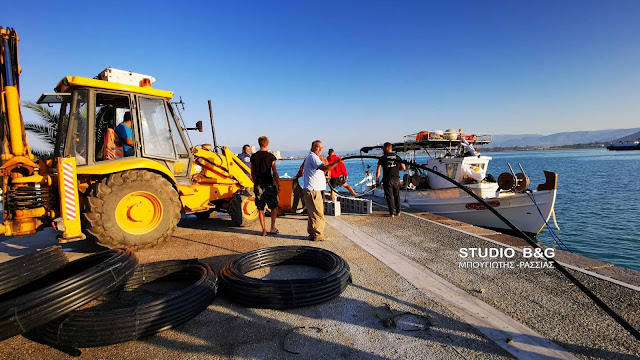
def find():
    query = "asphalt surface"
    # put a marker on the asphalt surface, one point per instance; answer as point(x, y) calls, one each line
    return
point(542, 299)
point(379, 316)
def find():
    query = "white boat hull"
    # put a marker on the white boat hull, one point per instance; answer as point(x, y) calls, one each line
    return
point(455, 204)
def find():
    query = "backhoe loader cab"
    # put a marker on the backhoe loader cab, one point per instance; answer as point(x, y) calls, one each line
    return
point(91, 111)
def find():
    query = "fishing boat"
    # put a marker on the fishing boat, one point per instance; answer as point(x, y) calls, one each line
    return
point(454, 154)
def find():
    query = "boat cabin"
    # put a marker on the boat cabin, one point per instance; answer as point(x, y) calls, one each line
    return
point(452, 153)
point(461, 169)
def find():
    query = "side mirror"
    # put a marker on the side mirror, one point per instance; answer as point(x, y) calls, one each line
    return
point(198, 127)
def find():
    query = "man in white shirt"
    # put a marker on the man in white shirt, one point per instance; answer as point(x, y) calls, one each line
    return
point(314, 184)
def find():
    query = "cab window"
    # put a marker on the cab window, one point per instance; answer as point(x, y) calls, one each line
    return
point(110, 110)
point(61, 135)
point(180, 146)
point(76, 145)
point(156, 133)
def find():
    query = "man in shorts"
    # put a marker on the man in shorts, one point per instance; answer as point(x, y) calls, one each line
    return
point(266, 183)
point(338, 175)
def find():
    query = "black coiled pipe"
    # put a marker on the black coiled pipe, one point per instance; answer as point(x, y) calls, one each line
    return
point(24, 269)
point(64, 290)
point(290, 293)
point(115, 324)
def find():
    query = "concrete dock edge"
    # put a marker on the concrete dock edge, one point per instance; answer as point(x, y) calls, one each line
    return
point(516, 338)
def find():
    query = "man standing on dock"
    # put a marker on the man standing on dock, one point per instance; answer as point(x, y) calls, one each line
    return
point(314, 185)
point(391, 166)
point(266, 183)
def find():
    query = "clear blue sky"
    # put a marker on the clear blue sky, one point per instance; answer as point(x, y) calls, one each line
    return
point(353, 73)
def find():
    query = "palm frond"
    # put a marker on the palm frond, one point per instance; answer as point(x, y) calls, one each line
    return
point(51, 117)
point(46, 132)
point(43, 155)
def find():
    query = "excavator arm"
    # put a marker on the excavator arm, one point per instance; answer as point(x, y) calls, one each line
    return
point(20, 194)
point(29, 197)
point(13, 133)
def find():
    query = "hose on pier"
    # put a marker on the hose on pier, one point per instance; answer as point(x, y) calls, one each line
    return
point(64, 290)
point(115, 322)
point(27, 268)
point(289, 293)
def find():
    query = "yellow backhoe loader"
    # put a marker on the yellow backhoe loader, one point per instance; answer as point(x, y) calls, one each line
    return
point(92, 186)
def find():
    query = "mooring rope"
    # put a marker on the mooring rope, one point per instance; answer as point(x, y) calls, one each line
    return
point(555, 237)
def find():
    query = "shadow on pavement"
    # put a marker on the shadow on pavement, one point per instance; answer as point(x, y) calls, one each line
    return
point(18, 246)
point(224, 225)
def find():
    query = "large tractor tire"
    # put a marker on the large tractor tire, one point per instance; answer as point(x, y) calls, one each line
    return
point(135, 209)
point(242, 208)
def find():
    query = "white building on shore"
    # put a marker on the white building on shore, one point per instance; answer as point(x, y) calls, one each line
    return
point(276, 153)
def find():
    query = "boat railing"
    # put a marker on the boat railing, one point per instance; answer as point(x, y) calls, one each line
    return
point(436, 139)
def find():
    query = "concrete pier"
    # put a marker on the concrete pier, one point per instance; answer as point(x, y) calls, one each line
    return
point(409, 299)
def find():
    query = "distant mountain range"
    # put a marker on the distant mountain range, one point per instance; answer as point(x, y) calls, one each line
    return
point(633, 137)
point(563, 138)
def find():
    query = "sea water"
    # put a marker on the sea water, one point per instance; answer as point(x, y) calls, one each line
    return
point(598, 198)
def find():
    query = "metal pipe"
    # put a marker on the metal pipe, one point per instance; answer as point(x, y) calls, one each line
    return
point(8, 63)
point(12, 102)
point(15, 122)
point(213, 128)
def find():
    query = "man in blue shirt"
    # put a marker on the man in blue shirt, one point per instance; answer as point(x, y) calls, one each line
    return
point(125, 134)
point(246, 155)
